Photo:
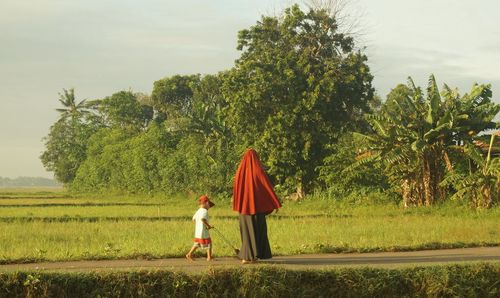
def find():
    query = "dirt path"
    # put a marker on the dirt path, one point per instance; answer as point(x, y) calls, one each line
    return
point(313, 261)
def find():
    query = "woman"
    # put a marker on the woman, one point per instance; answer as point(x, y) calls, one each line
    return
point(253, 199)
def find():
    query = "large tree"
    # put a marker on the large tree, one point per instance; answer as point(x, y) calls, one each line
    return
point(298, 83)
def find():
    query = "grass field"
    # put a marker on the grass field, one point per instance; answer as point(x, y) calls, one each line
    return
point(55, 226)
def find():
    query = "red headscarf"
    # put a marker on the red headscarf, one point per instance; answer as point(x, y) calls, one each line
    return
point(253, 192)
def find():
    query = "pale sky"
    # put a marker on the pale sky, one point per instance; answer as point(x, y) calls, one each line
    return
point(103, 46)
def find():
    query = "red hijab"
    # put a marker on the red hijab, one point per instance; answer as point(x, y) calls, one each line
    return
point(253, 192)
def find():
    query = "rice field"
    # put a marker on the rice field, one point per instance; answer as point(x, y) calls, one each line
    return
point(56, 226)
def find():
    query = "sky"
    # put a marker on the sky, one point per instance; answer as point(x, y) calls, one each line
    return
point(101, 47)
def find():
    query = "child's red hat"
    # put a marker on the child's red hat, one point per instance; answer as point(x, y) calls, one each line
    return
point(204, 199)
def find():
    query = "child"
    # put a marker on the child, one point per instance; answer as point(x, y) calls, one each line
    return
point(201, 235)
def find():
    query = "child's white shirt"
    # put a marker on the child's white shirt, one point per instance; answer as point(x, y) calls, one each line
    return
point(201, 231)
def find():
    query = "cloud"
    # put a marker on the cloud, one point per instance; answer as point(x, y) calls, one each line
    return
point(391, 65)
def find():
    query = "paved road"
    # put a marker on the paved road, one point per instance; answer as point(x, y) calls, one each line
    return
point(312, 261)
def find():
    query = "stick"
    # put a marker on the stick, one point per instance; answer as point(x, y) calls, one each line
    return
point(225, 240)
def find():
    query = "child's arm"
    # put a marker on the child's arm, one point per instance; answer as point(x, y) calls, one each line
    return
point(205, 222)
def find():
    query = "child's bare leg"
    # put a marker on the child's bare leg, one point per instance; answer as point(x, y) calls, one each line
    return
point(209, 254)
point(189, 255)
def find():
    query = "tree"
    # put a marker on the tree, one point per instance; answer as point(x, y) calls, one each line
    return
point(207, 119)
point(481, 184)
point(188, 152)
point(119, 161)
point(123, 110)
point(173, 95)
point(414, 136)
point(297, 84)
point(65, 148)
point(342, 154)
point(70, 108)
point(204, 158)
point(66, 143)
point(194, 108)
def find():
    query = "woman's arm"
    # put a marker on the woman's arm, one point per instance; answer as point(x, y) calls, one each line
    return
point(269, 212)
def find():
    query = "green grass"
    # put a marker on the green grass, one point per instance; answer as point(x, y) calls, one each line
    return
point(164, 229)
point(474, 280)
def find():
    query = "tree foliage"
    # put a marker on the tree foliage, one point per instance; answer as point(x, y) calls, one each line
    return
point(480, 185)
point(301, 95)
point(173, 95)
point(65, 148)
point(297, 84)
point(185, 152)
point(414, 136)
point(71, 109)
point(66, 143)
point(124, 110)
point(342, 154)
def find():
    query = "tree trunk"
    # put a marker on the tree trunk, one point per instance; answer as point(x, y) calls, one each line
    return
point(484, 199)
point(406, 193)
point(427, 181)
point(300, 191)
point(439, 175)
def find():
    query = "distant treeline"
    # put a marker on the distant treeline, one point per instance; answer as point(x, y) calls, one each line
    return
point(28, 182)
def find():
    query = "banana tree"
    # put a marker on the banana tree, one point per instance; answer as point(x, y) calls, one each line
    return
point(481, 186)
point(413, 136)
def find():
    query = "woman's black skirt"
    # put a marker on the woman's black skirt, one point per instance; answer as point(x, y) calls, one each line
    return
point(254, 241)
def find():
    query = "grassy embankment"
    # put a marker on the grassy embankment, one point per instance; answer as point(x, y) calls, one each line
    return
point(56, 226)
point(476, 280)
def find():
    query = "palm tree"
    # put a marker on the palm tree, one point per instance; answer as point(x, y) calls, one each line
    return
point(71, 109)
